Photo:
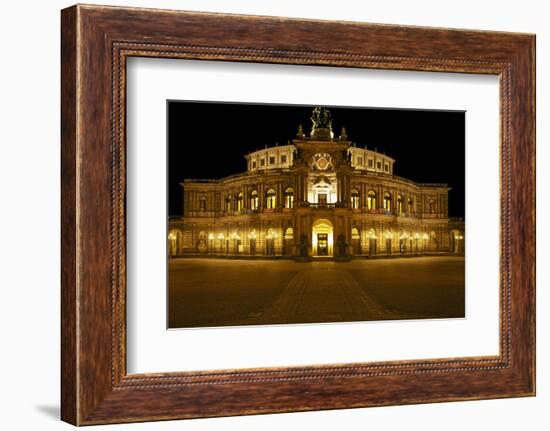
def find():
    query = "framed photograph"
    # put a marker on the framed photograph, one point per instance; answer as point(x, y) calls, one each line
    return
point(266, 215)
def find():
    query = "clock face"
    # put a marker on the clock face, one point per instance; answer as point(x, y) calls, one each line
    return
point(322, 162)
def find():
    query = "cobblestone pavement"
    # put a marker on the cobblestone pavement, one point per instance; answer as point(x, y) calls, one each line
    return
point(221, 292)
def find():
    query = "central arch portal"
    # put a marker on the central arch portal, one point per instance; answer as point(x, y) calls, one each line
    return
point(322, 238)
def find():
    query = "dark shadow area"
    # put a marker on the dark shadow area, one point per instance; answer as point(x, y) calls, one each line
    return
point(52, 411)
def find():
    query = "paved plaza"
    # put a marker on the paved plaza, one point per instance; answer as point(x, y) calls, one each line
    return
point(221, 292)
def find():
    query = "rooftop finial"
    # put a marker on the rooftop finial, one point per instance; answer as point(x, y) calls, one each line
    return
point(300, 133)
point(343, 134)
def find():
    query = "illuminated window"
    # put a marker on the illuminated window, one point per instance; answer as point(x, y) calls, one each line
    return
point(271, 200)
point(400, 207)
point(289, 198)
point(228, 203)
point(355, 233)
point(240, 199)
point(387, 201)
point(355, 199)
point(254, 200)
point(411, 206)
point(289, 233)
point(283, 158)
point(202, 204)
point(272, 160)
point(371, 200)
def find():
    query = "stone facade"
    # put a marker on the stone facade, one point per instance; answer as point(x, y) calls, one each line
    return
point(319, 195)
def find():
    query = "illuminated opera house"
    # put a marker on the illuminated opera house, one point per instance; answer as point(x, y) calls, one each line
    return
point(320, 195)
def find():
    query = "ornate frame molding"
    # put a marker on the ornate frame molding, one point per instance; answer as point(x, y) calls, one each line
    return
point(96, 41)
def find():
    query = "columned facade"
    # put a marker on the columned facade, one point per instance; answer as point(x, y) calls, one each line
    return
point(319, 196)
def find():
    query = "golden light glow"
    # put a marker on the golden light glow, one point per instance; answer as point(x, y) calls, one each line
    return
point(322, 226)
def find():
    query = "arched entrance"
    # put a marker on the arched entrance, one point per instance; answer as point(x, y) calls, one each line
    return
point(372, 242)
point(270, 242)
point(322, 238)
point(288, 241)
point(174, 242)
point(457, 241)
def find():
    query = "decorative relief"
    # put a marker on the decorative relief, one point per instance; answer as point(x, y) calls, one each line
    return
point(322, 162)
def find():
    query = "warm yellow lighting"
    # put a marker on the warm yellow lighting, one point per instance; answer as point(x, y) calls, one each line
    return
point(322, 226)
point(210, 236)
point(425, 236)
point(221, 236)
point(388, 234)
point(253, 234)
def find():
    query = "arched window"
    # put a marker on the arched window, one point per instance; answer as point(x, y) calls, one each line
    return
point(289, 233)
point(371, 200)
point(431, 206)
point(400, 207)
point(240, 199)
point(271, 200)
point(355, 202)
point(411, 207)
point(254, 200)
point(355, 233)
point(289, 198)
point(387, 202)
point(228, 203)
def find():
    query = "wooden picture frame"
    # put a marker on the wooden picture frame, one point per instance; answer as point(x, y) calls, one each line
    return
point(95, 43)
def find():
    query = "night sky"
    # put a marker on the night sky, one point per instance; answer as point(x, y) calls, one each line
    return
point(209, 140)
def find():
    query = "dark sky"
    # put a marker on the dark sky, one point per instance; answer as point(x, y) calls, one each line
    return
point(209, 140)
